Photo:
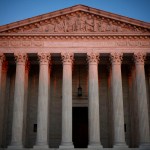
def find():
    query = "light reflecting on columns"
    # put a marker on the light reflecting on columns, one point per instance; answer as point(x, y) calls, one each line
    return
point(144, 133)
point(27, 68)
point(3, 70)
point(93, 98)
point(117, 96)
point(2, 58)
point(43, 96)
point(148, 93)
point(66, 141)
point(18, 108)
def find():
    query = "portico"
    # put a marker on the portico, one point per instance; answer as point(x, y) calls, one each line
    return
point(40, 88)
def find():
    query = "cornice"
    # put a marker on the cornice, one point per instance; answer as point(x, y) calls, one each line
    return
point(72, 36)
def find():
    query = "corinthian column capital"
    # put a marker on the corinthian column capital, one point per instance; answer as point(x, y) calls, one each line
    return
point(67, 57)
point(2, 58)
point(116, 58)
point(21, 58)
point(93, 57)
point(139, 58)
point(44, 58)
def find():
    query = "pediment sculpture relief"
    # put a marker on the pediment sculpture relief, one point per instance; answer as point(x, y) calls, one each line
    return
point(79, 22)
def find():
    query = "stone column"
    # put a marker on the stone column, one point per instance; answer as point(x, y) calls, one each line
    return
point(66, 142)
point(2, 58)
point(144, 139)
point(43, 96)
point(93, 110)
point(2, 94)
point(18, 108)
point(148, 93)
point(27, 68)
point(117, 96)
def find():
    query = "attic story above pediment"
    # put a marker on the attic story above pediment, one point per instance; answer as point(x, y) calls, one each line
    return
point(77, 22)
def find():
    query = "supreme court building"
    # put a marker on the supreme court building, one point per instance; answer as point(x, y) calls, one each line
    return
point(75, 78)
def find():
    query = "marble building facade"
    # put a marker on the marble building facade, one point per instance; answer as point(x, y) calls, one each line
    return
point(46, 60)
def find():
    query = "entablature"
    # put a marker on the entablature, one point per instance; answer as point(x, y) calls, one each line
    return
point(84, 43)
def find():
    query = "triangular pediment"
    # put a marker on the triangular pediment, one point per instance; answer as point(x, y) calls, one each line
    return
point(76, 20)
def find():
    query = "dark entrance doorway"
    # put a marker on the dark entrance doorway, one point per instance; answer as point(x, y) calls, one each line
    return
point(80, 127)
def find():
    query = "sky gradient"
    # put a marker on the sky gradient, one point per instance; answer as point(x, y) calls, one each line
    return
point(16, 10)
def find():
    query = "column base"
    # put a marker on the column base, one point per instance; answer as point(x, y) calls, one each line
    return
point(40, 147)
point(66, 146)
point(16, 147)
point(145, 146)
point(120, 146)
point(95, 146)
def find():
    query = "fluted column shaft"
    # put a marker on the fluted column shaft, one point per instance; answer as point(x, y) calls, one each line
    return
point(18, 108)
point(2, 95)
point(27, 68)
point(93, 110)
point(144, 132)
point(43, 96)
point(2, 58)
point(66, 142)
point(117, 95)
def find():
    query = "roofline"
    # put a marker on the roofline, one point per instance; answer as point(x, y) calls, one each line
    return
point(72, 9)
